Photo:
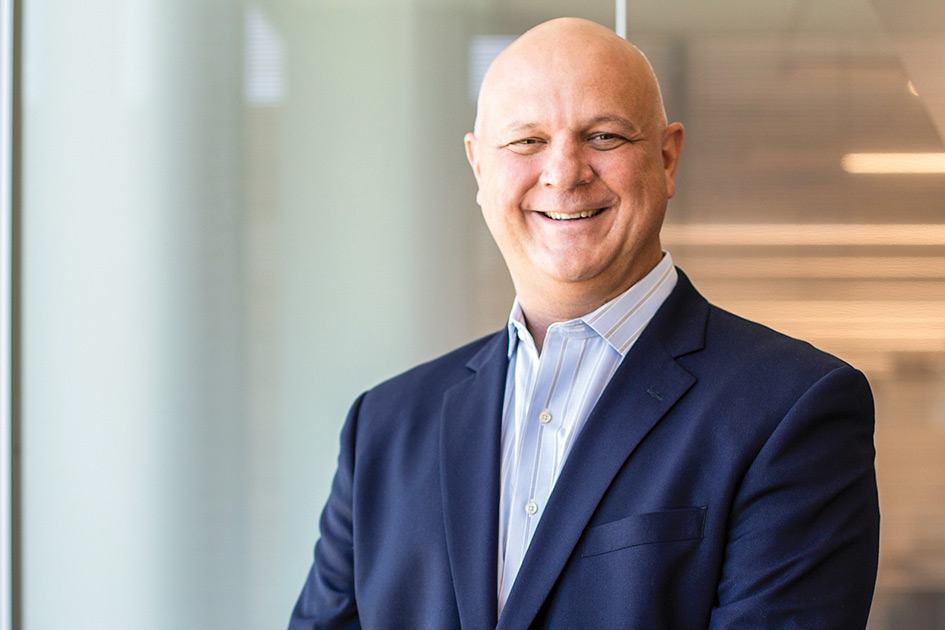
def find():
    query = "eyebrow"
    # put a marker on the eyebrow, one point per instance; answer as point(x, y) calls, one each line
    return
point(520, 126)
point(614, 118)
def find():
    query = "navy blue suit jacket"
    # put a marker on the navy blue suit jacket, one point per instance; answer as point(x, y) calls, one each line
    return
point(724, 480)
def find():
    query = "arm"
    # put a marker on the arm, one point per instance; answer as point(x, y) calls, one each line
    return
point(804, 529)
point(328, 601)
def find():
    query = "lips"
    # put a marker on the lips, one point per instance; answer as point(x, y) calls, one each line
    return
point(564, 216)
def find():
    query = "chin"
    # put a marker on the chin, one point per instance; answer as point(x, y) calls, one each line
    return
point(573, 268)
point(573, 275)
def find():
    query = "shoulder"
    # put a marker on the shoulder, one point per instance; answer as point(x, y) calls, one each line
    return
point(744, 341)
point(403, 414)
point(744, 355)
point(435, 376)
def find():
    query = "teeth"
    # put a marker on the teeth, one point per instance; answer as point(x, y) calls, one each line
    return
point(584, 214)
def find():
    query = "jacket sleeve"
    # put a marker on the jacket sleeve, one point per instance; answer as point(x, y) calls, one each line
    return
point(803, 536)
point(328, 598)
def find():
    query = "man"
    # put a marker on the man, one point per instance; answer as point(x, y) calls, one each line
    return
point(623, 455)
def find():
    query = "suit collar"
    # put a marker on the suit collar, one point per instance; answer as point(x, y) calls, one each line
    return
point(644, 388)
point(470, 442)
point(680, 324)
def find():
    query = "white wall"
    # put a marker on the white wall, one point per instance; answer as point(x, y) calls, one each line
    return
point(134, 417)
point(208, 283)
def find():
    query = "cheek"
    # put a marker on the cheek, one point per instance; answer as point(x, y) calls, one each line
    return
point(639, 183)
point(509, 179)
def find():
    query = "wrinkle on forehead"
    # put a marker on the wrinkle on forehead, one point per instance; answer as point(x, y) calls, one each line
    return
point(563, 51)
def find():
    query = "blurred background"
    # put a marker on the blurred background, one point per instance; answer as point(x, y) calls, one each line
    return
point(237, 215)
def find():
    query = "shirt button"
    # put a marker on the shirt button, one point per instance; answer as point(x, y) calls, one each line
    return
point(531, 507)
point(545, 416)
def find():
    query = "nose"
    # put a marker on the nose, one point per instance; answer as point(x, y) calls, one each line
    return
point(566, 166)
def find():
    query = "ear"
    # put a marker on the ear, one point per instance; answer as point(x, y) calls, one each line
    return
point(672, 147)
point(472, 153)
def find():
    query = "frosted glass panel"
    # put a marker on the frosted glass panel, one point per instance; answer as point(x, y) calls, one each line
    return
point(239, 215)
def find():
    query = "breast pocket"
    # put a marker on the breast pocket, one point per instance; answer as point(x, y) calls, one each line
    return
point(642, 529)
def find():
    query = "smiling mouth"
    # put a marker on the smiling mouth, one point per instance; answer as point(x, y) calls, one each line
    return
point(584, 214)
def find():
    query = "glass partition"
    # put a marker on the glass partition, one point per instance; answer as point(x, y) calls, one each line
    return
point(239, 215)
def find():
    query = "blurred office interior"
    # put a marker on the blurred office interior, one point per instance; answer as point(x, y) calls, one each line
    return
point(234, 216)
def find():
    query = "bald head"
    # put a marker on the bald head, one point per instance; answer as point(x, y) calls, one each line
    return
point(563, 49)
point(575, 164)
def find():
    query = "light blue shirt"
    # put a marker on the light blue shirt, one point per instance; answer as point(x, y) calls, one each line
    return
point(548, 398)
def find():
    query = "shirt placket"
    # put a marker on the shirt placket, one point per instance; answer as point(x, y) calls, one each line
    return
point(537, 479)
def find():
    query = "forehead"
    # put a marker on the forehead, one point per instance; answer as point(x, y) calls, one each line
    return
point(572, 89)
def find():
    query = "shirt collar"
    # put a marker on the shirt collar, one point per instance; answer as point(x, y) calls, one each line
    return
point(516, 326)
point(619, 321)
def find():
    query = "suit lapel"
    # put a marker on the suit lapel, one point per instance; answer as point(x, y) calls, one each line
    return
point(644, 388)
point(469, 471)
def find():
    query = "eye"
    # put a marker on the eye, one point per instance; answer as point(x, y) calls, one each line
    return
point(525, 145)
point(605, 141)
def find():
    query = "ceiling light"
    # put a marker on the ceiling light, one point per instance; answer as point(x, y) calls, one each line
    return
point(894, 162)
point(822, 234)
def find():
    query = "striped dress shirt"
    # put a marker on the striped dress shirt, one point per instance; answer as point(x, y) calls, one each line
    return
point(548, 398)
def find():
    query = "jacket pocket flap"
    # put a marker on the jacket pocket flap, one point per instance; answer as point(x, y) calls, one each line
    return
point(641, 529)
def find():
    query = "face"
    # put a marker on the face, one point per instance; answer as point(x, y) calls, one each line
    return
point(574, 169)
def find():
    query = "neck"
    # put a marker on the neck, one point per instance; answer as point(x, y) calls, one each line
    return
point(543, 305)
point(541, 312)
